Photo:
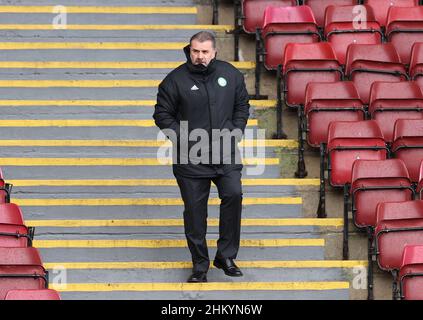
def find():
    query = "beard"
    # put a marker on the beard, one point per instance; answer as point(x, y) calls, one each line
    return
point(199, 62)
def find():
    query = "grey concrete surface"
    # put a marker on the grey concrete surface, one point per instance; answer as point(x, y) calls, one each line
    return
point(214, 295)
point(174, 254)
point(153, 212)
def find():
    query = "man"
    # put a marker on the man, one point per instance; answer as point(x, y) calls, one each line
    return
point(206, 94)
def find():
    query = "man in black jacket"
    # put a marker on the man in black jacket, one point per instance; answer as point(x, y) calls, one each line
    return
point(205, 95)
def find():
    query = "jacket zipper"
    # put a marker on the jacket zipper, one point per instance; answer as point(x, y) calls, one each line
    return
point(210, 118)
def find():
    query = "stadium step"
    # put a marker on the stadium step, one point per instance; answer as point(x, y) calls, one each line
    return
point(79, 145)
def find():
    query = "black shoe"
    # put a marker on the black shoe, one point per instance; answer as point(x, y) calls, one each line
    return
point(229, 267)
point(198, 277)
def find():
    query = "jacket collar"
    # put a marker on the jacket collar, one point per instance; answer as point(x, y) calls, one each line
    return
point(199, 69)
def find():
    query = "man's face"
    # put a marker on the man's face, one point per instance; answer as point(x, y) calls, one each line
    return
point(202, 52)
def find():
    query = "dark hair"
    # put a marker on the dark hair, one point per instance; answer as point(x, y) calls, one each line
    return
point(203, 36)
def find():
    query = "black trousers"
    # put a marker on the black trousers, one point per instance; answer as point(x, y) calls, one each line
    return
point(195, 194)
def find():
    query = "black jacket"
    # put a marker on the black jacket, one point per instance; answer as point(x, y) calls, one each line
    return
point(212, 97)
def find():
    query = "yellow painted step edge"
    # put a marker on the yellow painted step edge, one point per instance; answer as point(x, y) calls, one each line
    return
point(209, 286)
point(99, 9)
point(105, 65)
point(130, 143)
point(187, 265)
point(92, 45)
point(156, 243)
point(87, 123)
point(105, 103)
point(108, 27)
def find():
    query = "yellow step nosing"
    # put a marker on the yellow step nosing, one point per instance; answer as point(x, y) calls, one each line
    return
point(92, 45)
point(130, 143)
point(262, 264)
point(87, 123)
point(55, 162)
point(156, 243)
point(101, 9)
point(96, 103)
point(103, 27)
point(144, 201)
point(79, 83)
point(263, 103)
point(109, 65)
point(208, 286)
point(154, 182)
point(179, 222)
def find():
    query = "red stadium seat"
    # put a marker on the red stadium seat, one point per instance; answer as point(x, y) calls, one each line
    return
point(249, 16)
point(21, 268)
point(42, 294)
point(326, 102)
point(381, 7)
point(342, 29)
point(253, 12)
point(348, 141)
point(305, 63)
point(398, 224)
point(411, 273)
point(416, 63)
point(390, 101)
point(368, 63)
point(13, 232)
point(11, 210)
point(374, 182)
point(319, 7)
point(284, 25)
point(404, 27)
point(408, 145)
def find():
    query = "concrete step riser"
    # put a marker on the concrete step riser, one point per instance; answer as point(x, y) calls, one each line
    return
point(214, 295)
point(177, 254)
point(153, 212)
point(180, 275)
point(113, 172)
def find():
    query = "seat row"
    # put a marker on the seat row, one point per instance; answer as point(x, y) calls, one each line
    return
point(22, 275)
point(366, 64)
point(379, 192)
point(389, 102)
point(342, 27)
point(250, 12)
point(381, 199)
point(340, 22)
point(284, 25)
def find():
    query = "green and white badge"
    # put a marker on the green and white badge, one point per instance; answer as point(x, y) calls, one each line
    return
point(222, 82)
